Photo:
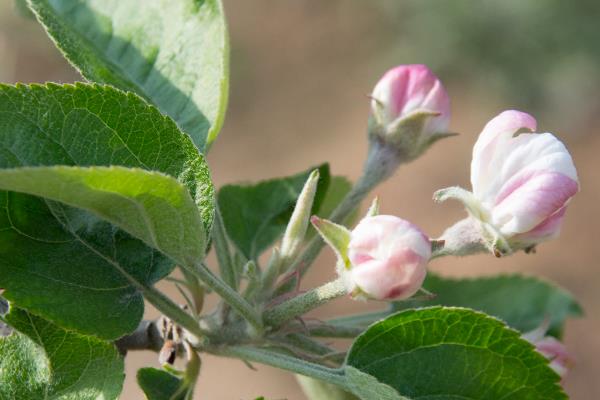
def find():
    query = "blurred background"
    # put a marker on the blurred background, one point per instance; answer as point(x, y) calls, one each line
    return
point(300, 74)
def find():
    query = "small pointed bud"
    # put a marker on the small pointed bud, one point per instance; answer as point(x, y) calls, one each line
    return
point(373, 208)
point(298, 224)
point(522, 183)
point(251, 271)
point(410, 109)
point(253, 278)
point(336, 236)
point(388, 257)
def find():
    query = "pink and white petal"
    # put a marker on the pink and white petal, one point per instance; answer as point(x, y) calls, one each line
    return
point(437, 100)
point(491, 144)
point(399, 276)
point(531, 201)
point(407, 88)
point(388, 93)
point(526, 161)
point(537, 151)
point(416, 240)
point(547, 229)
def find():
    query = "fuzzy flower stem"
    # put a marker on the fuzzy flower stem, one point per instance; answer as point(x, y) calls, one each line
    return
point(226, 267)
point(288, 363)
point(461, 239)
point(303, 303)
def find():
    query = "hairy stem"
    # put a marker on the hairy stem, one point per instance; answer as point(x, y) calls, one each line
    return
point(146, 337)
point(303, 303)
point(226, 267)
point(282, 361)
point(461, 239)
point(168, 308)
point(196, 289)
point(333, 331)
point(306, 344)
point(229, 295)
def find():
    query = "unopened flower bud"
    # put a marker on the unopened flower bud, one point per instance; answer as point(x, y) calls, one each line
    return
point(551, 348)
point(410, 110)
point(522, 183)
point(388, 258)
point(383, 258)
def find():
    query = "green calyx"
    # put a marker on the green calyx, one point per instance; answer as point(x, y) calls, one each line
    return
point(408, 134)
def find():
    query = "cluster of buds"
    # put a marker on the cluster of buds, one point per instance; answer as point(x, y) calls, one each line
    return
point(521, 182)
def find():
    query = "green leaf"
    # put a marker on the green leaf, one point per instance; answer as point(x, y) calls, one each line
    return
point(148, 205)
point(453, 353)
point(173, 53)
point(43, 361)
point(368, 387)
point(97, 125)
point(336, 191)
point(158, 384)
point(524, 303)
point(255, 216)
point(60, 262)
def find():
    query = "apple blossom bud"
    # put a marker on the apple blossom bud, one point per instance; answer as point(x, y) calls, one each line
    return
point(383, 258)
point(410, 109)
point(551, 348)
point(522, 183)
point(388, 258)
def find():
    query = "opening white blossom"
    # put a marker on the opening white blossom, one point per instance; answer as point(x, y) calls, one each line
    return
point(523, 182)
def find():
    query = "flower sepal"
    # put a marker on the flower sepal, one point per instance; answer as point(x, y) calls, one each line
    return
point(336, 236)
point(407, 134)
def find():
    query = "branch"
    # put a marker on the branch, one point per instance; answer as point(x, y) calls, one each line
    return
point(146, 337)
point(282, 361)
point(462, 239)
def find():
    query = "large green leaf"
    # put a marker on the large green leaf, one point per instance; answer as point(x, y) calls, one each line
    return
point(174, 53)
point(452, 353)
point(59, 261)
point(256, 215)
point(148, 205)
point(158, 384)
point(43, 361)
point(524, 303)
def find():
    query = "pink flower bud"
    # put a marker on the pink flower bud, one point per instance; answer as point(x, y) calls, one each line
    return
point(388, 258)
point(556, 352)
point(552, 349)
point(522, 181)
point(407, 89)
